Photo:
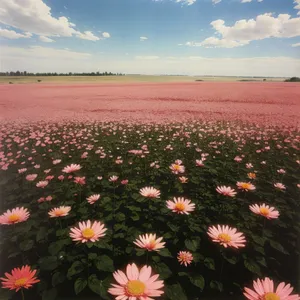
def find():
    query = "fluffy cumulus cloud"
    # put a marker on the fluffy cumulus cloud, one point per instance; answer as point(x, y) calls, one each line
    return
point(45, 39)
point(106, 35)
point(35, 16)
point(297, 2)
point(296, 45)
point(11, 34)
point(143, 38)
point(245, 31)
point(44, 59)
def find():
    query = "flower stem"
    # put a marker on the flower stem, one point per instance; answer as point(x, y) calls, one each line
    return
point(222, 267)
point(147, 255)
point(22, 293)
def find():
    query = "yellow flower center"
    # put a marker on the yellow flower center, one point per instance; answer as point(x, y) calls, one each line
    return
point(245, 186)
point(264, 211)
point(151, 244)
point(20, 282)
point(135, 288)
point(252, 175)
point(88, 233)
point(180, 206)
point(176, 167)
point(224, 237)
point(270, 296)
point(59, 212)
point(13, 218)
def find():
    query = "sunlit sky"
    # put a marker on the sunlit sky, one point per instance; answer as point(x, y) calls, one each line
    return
point(190, 37)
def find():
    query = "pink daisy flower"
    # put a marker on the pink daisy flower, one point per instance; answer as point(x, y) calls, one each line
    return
point(42, 184)
point(31, 177)
point(136, 284)
point(279, 186)
point(183, 179)
point(16, 215)
point(181, 205)
point(61, 211)
point(226, 191)
point(226, 236)
point(265, 210)
point(71, 168)
point(185, 258)
point(19, 278)
point(177, 168)
point(56, 161)
point(264, 290)
point(88, 232)
point(199, 163)
point(150, 192)
point(149, 242)
point(79, 180)
point(22, 170)
point(113, 178)
point(93, 198)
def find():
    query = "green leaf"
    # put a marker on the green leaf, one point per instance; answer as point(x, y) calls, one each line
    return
point(209, 263)
point(105, 263)
point(216, 285)
point(50, 294)
point(198, 281)
point(92, 256)
point(55, 247)
point(42, 234)
point(163, 270)
point(94, 284)
point(191, 244)
point(252, 266)
point(120, 217)
point(165, 252)
point(48, 263)
point(79, 285)
point(175, 292)
point(76, 268)
point(278, 247)
point(58, 278)
point(26, 245)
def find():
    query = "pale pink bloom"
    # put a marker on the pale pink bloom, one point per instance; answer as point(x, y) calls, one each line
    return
point(56, 161)
point(185, 257)
point(50, 177)
point(79, 180)
point(136, 284)
point(99, 177)
point(279, 186)
point(84, 155)
point(118, 161)
point(183, 179)
point(93, 198)
point(42, 183)
point(199, 163)
point(264, 290)
point(48, 198)
point(88, 232)
point(149, 242)
point(263, 162)
point(22, 170)
point(61, 211)
point(61, 177)
point(298, 185)
point(281, 171)
point(181, 205)
point(36, 166)
point(226, 191)
point(124, 181)
point(47, 171)
point(113, 178)
point(42, 199)
point(226, 236)
point(176, 168)
point(178, 162)
point(246, 186)
point(150, 192)
point(265, 210)
point(71, 168)
point(31, 177)
point(16, 215)
point(249, 166)
point(238, 159)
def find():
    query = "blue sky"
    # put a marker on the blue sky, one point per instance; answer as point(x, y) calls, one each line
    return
point(44, 35)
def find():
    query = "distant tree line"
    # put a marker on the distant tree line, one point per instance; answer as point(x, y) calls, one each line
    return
point(293, 79)
point(25, 73)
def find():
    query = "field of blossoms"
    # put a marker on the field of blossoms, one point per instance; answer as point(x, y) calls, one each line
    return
point(198, 210)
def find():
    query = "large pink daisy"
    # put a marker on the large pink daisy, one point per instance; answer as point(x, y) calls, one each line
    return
point(181, 205)
point(16, 215)
point(136, 284)
point(264, 290)
point(265, 210)
point(88, 232)
point(149, 242)
point(226, 191)
point(227, 236)
point(71, 168)
point(150, 192)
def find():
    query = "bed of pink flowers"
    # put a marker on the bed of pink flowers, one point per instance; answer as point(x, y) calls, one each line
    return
point(141, 212)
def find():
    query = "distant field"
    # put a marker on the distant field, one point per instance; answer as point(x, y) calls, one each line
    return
point(122, 79)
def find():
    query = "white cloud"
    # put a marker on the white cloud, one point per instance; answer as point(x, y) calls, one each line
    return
point(143, 38)
point(296, 45)
point(297, 2)
point(11, 34)
point(184, 2)
point(87, 35)
point(42, 59)
point(216, 1)
point(246, 1)
point(245, 31)
point(106, 35)
point(45, 39)
point(149, 57)
point(35, 17)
